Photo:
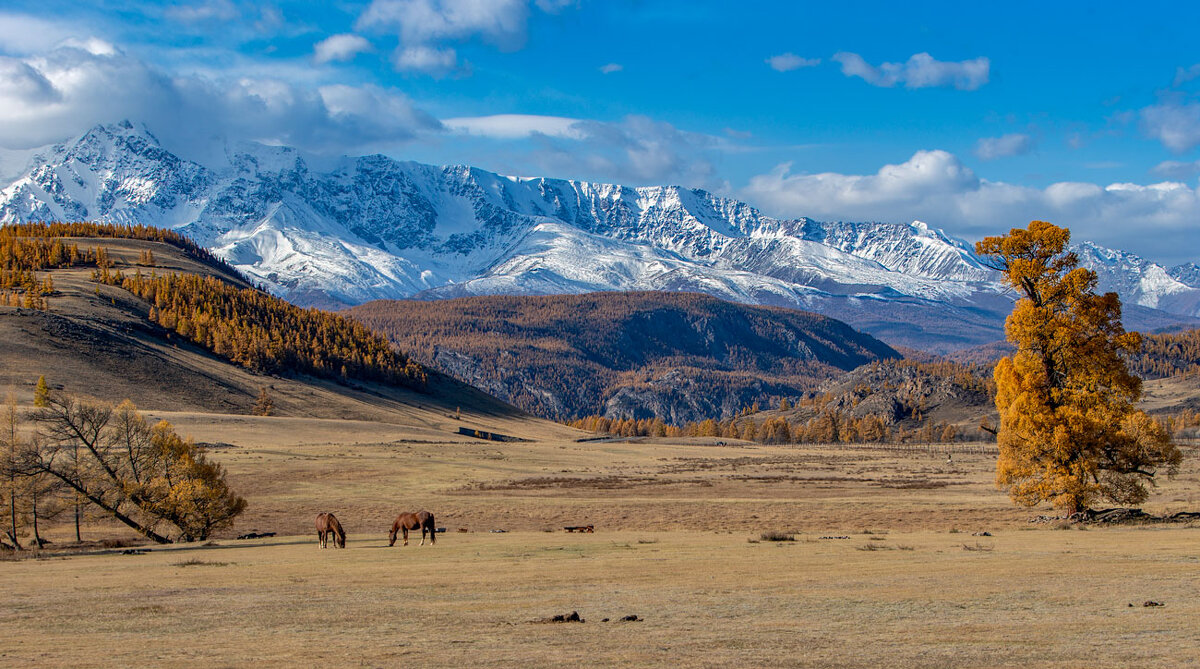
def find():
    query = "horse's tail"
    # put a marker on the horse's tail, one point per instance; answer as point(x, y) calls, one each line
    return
point(432, 525)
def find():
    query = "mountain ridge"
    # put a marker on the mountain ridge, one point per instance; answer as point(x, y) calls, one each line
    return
point(670, 355)
point(371, 227)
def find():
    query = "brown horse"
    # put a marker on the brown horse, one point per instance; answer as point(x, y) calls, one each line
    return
point(327, 524)
point(411, 521)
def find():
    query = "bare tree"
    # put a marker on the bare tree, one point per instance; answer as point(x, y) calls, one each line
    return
point(10, 470)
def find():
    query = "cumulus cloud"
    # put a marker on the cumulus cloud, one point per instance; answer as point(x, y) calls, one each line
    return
point(1174, 169)
point(636, 150)
point(436, 62)
point(340, 48)
point(63, 92)
point(425, 26)
point(611, 67)
point(935, 186)
point(1173, 122)
point(499, 22)
point(920, 71)
point(22, 35)
point(786, 62)
point(1015, 144)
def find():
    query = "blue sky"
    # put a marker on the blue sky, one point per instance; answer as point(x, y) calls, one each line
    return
point(972, 118)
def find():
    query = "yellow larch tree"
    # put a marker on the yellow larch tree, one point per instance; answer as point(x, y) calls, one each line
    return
point(1069, 431)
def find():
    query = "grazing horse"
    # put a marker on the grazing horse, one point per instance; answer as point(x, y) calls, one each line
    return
point(327, 524)
point(411, 521)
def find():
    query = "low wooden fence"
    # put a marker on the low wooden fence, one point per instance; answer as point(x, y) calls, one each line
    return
point(929, 449)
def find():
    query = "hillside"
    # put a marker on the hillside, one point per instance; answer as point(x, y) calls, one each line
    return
point(338, 231)
point(677, 356)
point(100, 340)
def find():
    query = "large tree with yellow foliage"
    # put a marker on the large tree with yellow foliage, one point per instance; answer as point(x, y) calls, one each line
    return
point(1069, 433)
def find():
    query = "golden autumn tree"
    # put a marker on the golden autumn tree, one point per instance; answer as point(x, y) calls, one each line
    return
point(138, 474)
point(1069, 433)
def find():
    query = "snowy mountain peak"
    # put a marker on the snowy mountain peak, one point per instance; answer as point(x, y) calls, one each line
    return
point(360, 228)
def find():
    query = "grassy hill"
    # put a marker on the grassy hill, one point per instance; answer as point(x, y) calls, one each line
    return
point(678, 356)
point(100, 340)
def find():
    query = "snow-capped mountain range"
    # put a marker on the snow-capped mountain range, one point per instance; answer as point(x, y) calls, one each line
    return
point(371, 227)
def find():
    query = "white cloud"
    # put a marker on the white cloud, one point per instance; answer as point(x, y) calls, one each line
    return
point(425, 26)
point(611, 67)
point(1174, 169)
point(1014, 144)
point(1186, 74)
point(340, 48)
point(212, 10)
point(23, 86)
point(920, 71)
point(499, 22)
point(1159, 220)
point(515, 126)
point(1174, 123)
point(786, 62)
point(63, 92)
point(436, 62)
point(635, 150)
point(23, 35)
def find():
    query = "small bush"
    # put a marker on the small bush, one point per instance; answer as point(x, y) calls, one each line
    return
point(777, 536)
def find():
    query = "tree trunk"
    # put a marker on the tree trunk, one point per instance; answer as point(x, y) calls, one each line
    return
point(113, 511)
point(12, 505)
point(141, 529)
point(37, 538)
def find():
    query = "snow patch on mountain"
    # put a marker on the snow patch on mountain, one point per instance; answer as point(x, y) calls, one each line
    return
point(354, 229)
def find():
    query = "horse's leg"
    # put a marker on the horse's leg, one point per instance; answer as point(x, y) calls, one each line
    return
point(405, 530)
point(320, 539)
point(422, 535)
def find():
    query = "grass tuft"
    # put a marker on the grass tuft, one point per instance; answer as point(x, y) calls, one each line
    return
point(195, 562)
point(777, 536)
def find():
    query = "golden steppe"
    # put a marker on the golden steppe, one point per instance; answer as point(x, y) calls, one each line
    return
point(885, 568)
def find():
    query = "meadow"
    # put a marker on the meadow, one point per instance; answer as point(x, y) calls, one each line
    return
point(734, 554)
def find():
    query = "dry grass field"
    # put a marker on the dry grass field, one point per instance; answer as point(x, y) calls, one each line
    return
point(884, 568)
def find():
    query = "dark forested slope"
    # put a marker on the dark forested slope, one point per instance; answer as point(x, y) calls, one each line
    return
point(677, 356)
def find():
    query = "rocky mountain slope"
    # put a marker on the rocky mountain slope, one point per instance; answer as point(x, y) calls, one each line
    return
point(371, 227)
point(676, 356)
